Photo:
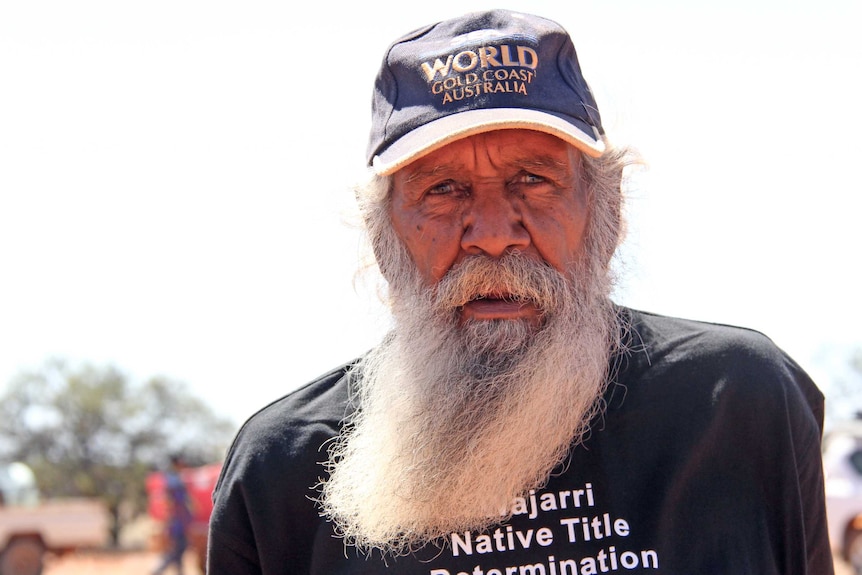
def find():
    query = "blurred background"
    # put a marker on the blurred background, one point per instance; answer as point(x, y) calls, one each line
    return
point(177, 246)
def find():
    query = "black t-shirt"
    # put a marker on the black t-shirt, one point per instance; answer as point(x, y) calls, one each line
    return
point(706, 460)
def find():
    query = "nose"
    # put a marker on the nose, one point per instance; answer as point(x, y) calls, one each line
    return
point(493, 226)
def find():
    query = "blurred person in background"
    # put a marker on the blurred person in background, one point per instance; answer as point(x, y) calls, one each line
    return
point(179, 517)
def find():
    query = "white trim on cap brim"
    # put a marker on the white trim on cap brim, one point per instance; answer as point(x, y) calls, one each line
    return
point(438, 133)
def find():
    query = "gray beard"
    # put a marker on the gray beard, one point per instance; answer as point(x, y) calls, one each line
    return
point(454, 421)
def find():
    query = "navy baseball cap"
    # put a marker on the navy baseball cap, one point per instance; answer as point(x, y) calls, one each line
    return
point(480, 72)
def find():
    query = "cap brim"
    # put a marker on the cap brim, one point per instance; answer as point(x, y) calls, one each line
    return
point(438, 133)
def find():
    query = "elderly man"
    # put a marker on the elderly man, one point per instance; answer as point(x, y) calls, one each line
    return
point(516, 421)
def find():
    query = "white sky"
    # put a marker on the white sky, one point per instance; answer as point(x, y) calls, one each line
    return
point(173, 176)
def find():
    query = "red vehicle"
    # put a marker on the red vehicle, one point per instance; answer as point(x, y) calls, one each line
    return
point(200, 482)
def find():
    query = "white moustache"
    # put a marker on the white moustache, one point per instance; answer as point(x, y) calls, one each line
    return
point(514, 277)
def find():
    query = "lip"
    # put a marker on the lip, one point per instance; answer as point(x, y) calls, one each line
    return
point(490, 308)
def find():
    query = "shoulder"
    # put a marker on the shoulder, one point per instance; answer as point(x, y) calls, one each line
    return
point(675, 338)
point(293, 424)
point(288, 438)
point(671, 341)
point(720, 360)
point(323, 401)
point(271, 472)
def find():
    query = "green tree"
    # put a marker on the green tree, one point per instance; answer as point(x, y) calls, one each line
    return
point(91, 432)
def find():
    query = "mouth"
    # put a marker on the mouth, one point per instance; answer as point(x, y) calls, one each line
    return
point(491, 306)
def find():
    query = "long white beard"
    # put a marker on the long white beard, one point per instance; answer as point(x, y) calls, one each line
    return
point(455, 421)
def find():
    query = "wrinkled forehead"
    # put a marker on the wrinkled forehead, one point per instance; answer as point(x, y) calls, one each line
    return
point(508, 149)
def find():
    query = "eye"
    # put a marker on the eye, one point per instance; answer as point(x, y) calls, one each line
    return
point(447, 187)
point(529, 178)
point(441, 188)
point(531, 184)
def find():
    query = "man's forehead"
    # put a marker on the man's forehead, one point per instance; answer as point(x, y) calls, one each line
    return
point(522, 149)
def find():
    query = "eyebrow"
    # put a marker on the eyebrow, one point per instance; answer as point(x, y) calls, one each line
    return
point(432, 172)
point(545, 162)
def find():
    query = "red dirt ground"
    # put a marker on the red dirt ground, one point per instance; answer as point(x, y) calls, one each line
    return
point(112, 563)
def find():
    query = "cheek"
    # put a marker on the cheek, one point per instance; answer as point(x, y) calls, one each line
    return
point(435, 250)
point(432, 245)
point(559, 240)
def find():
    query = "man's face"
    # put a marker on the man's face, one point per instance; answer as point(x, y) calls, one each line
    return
point(492, 194)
